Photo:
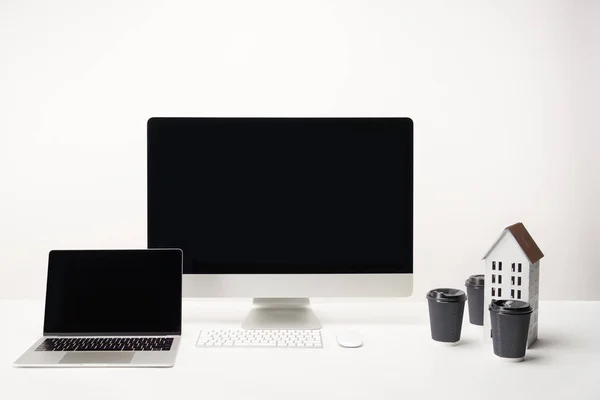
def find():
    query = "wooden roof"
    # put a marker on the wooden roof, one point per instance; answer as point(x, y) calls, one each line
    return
point(525, 241)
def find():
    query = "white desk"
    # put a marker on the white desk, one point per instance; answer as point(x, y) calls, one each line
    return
point(398, 360)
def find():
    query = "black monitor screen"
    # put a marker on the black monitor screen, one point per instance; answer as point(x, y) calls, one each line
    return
point(112, 292)
point(282, 195)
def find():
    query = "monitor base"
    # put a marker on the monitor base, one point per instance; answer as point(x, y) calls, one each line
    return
point(284, 313)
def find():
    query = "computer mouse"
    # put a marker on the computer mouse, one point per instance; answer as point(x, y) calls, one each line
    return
point(349, 339)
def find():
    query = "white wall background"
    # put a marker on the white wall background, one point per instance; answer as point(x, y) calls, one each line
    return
point(504, 95)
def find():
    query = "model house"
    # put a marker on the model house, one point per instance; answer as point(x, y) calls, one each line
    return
point(512, 271)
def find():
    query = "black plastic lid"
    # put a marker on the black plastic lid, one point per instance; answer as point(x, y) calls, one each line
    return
point(476, 281)
point(446, 295)
point(511, 307)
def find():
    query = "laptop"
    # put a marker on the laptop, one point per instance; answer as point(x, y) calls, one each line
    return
point(110, 308)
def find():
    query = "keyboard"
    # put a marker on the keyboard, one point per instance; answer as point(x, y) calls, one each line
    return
point(106, 344)
point(282, 338)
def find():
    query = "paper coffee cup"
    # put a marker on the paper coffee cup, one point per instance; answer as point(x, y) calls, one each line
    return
point(510, 327)
point(475, 291)
point(446, 309)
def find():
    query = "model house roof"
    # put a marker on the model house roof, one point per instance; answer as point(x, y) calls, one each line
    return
point(525, 241)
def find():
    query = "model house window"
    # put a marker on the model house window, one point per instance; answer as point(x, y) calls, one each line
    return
point(493, 265)
point(519, 281)
point(499, 265)
point(512, 280)
point(512, 267)
point(499, 278)
point(493, 278)
point(493, 292)
point(499, 291)
point(512, 293)
point(518, 294)
point(520, 267)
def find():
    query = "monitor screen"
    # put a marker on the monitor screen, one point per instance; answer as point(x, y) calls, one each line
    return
point(282, 195)
point(113, 292)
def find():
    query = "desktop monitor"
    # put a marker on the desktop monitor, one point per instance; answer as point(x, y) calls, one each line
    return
point(284, 209)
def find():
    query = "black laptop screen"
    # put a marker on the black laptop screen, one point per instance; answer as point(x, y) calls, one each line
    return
point(113, 292)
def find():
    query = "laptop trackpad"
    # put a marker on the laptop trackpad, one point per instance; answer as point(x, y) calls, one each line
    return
point(97, 357)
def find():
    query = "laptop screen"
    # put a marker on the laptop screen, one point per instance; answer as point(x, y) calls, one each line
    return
point(113, 292)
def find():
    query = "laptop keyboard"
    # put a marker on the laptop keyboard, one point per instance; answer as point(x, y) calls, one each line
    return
point(106, 344)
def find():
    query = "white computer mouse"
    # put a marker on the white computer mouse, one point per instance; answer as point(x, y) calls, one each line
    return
point(349, 339)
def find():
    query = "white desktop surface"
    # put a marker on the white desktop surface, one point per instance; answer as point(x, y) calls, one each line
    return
point(398, 360)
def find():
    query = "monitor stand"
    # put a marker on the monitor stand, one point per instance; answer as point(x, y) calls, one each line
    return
point(285, 313)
